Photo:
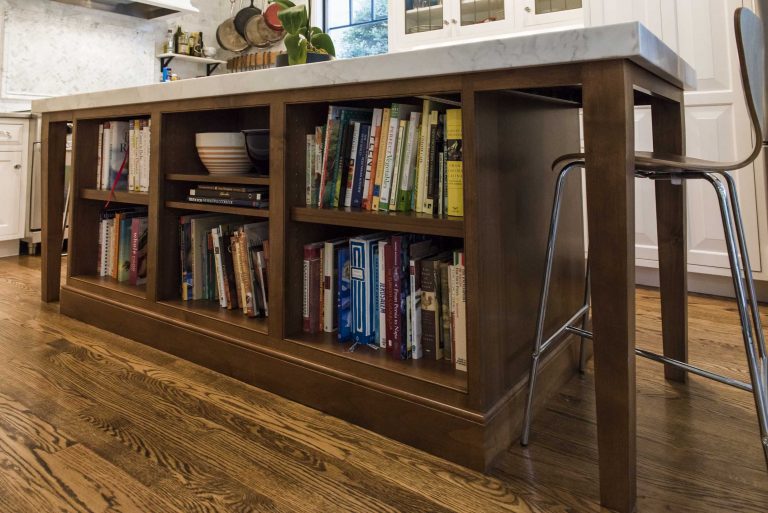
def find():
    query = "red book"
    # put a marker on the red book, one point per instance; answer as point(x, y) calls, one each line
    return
point(311, 303)
point(389, 299)
point(138, 265)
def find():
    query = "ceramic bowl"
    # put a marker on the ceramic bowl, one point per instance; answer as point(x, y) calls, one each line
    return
point(223, 152)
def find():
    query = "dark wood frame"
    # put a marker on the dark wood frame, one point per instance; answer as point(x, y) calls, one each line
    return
point(510, 141)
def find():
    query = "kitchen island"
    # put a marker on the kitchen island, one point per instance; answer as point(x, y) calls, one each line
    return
point(520, 101)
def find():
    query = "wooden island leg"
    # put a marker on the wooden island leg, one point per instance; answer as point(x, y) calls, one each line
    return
point(609, 143)
point(671, 222)
point(53, 157)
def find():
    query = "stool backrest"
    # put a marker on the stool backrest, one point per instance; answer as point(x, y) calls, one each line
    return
point(750, 42)
point(761, 9)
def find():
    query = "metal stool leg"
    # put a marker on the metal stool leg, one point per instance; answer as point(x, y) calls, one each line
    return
point(554, 220)
point(758, 383)
point(585, 319)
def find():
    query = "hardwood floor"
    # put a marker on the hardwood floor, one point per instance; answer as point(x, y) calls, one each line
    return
point(91, 422)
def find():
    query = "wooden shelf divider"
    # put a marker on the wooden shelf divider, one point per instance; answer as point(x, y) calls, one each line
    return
point(220, 209)
point(411, 222)
point(137, 198)
point(224, 179)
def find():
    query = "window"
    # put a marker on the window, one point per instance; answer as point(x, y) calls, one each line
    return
point(358, 27)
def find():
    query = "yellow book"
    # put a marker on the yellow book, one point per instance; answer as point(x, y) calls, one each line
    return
point(455, 168)
point(380, 160)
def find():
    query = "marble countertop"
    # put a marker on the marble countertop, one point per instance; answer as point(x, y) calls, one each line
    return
point(21, 115)
point(625, 40)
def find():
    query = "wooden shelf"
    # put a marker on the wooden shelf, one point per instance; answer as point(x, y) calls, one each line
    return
point(224, 179)
point(219, 209)
point(190, 58)
point(137, 198)
point(440, 372)
point(107, 282)
point(212, 310)
point(411, 222)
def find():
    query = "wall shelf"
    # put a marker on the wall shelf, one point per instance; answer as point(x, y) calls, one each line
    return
point(210, 64)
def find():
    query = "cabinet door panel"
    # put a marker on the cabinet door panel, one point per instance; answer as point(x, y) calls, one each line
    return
point(10, 194)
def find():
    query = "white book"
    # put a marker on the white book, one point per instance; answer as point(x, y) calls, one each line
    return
point(420, 190)
point(100, 149)
point(411, 151)
point(458, 315)
point(146, 153)
point(399, 153)
point(106, 156)
point(216, 238)
point(132, 153)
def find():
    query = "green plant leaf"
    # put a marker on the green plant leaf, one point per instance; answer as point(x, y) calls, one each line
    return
point(313, 31)
point(323, 42)
point(285, 4)
point(294, 19)
point(296, 46)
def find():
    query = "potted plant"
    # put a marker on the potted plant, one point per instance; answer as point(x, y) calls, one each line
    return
point(303, 42)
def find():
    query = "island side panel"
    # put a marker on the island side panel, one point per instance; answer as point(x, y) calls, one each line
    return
point(510, 186)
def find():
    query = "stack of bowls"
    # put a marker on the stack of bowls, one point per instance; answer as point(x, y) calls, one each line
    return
point(223, 153)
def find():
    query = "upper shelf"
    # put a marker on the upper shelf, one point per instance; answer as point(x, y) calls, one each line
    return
point(228, 179)
point(210, 64)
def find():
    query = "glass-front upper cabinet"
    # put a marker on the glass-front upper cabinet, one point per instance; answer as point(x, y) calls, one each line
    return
point(423, 23)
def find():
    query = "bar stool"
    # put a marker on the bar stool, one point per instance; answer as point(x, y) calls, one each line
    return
point(750, 43)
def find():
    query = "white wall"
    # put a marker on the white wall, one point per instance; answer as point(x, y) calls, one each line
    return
point(51, 49)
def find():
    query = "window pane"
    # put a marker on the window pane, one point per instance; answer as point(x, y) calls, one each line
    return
point(423, 15)
point(548, 6)
point(379, 9)
point(337, 12)
point(360, 40)
point(361, 11)
point(481, 11)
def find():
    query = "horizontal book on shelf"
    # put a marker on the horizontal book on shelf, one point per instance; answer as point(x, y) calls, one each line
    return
point(399, 293)
point(231, 195)
point(224, 259)
point(122, 247)
point(404, 158)
point(123, 155)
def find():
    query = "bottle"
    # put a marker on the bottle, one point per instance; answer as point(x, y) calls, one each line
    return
point(183, 44)
point(168, 44)
point(192, 41)
point(200, 45)
point(177, 39)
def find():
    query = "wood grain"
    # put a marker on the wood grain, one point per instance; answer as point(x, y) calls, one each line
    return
point(90, 421)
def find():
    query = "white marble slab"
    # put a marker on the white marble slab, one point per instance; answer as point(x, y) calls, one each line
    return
point(626, 40)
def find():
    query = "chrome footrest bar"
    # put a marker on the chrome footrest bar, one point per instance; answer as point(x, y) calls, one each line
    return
point(581, 312)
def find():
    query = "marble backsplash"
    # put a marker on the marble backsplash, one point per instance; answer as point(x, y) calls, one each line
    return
point(53, 49)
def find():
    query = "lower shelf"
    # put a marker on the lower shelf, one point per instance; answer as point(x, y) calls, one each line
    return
point(440, 372)
point(219, 209)
point(110, 283)
point(213, 311)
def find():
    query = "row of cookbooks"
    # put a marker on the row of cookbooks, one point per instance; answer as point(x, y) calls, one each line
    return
point(122, 246)
point(401, 293)
point(224, 259)
point(400, 158)
point(123, 155)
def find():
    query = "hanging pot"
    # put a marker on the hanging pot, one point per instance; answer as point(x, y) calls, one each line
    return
point(258, 33)
point(227, 35)
point(242, 17)
point(271, 19)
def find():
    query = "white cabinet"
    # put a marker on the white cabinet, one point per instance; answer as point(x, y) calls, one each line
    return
point(14, 161)
point(421, 23)
point(11, 195)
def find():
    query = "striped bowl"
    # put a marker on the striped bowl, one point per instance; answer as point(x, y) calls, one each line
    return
point(223, 153)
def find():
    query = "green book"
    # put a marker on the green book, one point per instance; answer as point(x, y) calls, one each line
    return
point(341, 165)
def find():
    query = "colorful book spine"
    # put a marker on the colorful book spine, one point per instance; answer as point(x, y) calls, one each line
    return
point(399, 343)
point(454, 167)
point(402, 134)
point(124, 250)
point(382, 324)
point(138, 272)
point(310, 168)
point(458, 315)
point(430, 310)
point(330, 282)
point(445, 314)
point(408, 175)
point(220, 281)
point(344, 296)
point(423, 158)
point(352, 164)
point(389, 158)
point(370, 161)
point(318, 165)
point(361, 271)
point(380, 159)
point(361, 160)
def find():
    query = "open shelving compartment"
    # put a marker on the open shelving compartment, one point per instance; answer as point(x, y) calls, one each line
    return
point(88, 201)
point(307, 224)
point(180, 170)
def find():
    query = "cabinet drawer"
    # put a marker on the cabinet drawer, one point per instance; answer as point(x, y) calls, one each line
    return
point(11, 133)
